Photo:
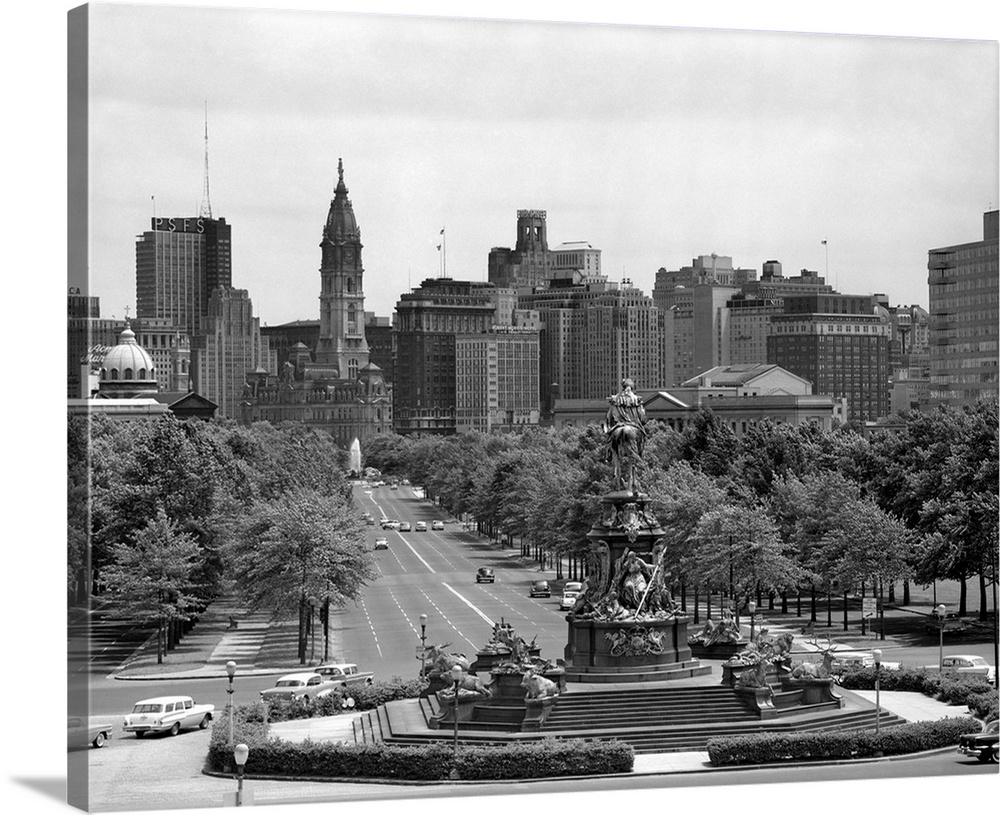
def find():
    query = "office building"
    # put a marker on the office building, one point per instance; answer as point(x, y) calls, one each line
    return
point(963, 319)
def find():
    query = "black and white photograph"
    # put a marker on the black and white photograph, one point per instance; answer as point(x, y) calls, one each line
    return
point(543, 405)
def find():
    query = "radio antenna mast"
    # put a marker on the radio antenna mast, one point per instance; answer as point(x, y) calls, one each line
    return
point(206, 202)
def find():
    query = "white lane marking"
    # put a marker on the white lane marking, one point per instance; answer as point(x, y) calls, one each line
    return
point(404, 540)
point(469, 604)
point(371, 625)
point(445, 618)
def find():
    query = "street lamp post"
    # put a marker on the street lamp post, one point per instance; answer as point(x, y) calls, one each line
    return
point(456, 678)
point(423, 645)
point(751, 607)
point(940, 611)
point(878, 700)
point(240, 753)
point(231, 670)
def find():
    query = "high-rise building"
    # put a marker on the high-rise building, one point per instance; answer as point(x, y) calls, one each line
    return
point(428, 320)
point(88, 339)
point(839, 343)
point(178, 263)
point(594, 334)
point(963, 317)
point(228, 350)
point(526, 266)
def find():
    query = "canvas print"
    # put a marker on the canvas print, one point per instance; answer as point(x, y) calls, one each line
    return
point(383, 492)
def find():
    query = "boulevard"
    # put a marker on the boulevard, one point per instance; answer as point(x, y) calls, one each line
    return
point(433, 573)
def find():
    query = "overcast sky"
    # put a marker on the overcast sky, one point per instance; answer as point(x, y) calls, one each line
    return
point(654, 144)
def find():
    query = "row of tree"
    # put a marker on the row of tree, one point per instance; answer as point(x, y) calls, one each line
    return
point(165, 515)
point(779, 509)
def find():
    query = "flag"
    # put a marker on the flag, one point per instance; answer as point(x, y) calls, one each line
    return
point(823, 242)
point(442, 231)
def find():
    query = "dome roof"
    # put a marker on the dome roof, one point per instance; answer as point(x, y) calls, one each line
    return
point(128, 360)
point(340, 221)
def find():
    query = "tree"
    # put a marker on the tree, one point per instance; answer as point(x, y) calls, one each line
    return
point(150, 579)
point(297, 547)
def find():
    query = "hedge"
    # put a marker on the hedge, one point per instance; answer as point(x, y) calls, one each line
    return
point(366, 697)
point(548, 758)
point(767, 748)
point(950, 686)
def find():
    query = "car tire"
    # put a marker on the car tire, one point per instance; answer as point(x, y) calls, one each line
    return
point(175, 728)
point(139, 734)
point(985, 756)
point(204, 722)
point(99, 740)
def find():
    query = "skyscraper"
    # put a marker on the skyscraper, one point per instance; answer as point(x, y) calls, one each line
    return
point(178, 263)
point(963, 281)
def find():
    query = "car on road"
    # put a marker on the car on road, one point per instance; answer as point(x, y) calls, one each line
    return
point(81, 732)
point(393, 486)
point(343, 675)
point(389, 523)
point(421, 526)
point(571, 591)
point(540, 588)
point(844, 661)
point(982, 745)
point(167, 714)
point(381, 543)
point(405, 527)
point(484, 575)
point(966, 664)
point(303, 685)
point(437, 526)
point(951, 624)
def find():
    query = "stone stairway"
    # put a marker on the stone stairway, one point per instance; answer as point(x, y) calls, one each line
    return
point(652, 720)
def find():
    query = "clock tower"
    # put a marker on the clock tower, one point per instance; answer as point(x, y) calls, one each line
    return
point(342, 345)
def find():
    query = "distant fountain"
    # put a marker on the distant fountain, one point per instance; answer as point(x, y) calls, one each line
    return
point(354, 464)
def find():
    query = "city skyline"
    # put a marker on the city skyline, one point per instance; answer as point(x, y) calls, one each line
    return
point(655, 145)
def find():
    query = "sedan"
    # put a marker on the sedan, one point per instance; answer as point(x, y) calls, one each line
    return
point(967, 664)
point(405, 527)
point(540, 588)
point(80, 733)
point(421, 526)
point(437, 526)
point(381, 543)
point(982, 745)
point(484, 575)
point(166, 714)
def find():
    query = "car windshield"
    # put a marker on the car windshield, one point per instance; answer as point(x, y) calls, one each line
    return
point(289, 683)
point(147, 708)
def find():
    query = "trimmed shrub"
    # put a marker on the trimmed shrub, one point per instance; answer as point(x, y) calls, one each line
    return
point(951, 687)
point(366, 697)
point(984, 706)
point(767, 748)
point(549, 758)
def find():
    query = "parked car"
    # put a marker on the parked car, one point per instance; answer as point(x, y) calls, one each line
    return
point(951, 624)
point(540, 588)
point(967, 664)
point(305, 685)
point(370, 521)
point(343, 675)
point(167, 714)
point(405, 527)
point(571, 591)
point(484, 575)
point(437, 526)
point(381, 543)
point(982, 745)
point(80, 733)
point(405, 482)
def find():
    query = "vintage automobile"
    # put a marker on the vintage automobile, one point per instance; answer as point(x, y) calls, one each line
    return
point(844, 661)
point(437, 526)
point(381, 543)
point(167, 714)
point(390, 523)
point(966, 664)
point(80, 732)
point(421, 526)
point(304, 685)
point(540, 588)
point(484, 575)
point(405, 527)
point(951, 624)
point(343, 675)
point(571, 591)
point(982, 745)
